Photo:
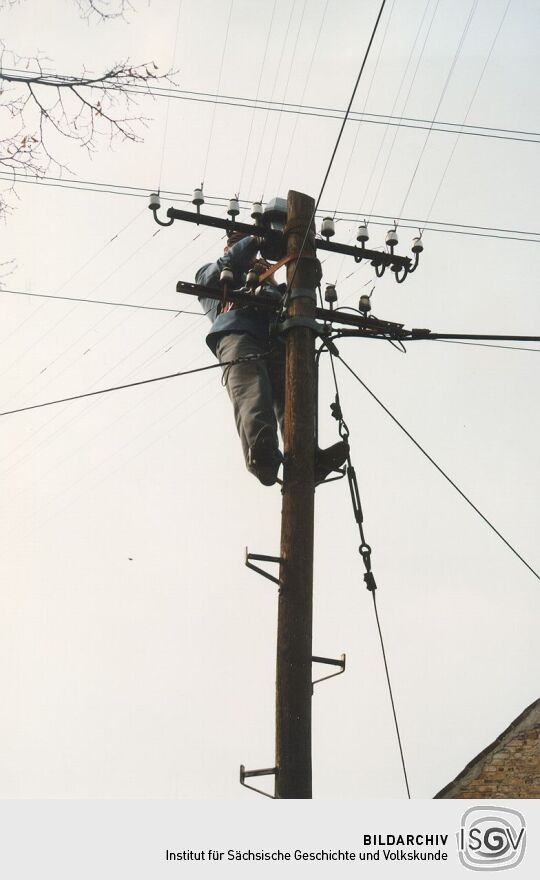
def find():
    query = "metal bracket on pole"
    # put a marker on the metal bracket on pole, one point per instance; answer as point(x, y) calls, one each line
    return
point(329, 662)
point(342, 472)
point(262, 558)
point(246, 774)
point(311, 323)
point(306, 292)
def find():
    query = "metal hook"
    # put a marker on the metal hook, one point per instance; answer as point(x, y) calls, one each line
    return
point(161, 222)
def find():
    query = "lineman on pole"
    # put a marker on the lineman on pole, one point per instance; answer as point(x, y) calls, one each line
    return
point(256, 388)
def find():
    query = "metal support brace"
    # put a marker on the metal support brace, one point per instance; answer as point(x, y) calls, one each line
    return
point(329, 662)
point(246, 774)
point(306, 292)
point(311, 323)
point(262, 558)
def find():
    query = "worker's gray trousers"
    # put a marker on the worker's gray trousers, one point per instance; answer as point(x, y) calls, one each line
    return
point(256, 388)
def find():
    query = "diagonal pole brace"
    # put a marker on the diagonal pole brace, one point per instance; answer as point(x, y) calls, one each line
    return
point(248, 774)
point(330, 662)
point(261, 557)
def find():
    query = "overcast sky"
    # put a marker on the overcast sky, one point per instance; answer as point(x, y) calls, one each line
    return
point(137, 653)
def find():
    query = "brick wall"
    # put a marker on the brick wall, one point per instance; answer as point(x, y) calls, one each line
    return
point(508, 768)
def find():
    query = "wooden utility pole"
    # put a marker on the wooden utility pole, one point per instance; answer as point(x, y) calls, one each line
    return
point(295, 612)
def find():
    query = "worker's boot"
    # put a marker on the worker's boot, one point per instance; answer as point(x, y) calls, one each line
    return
point(265, 458)
point(330, 459)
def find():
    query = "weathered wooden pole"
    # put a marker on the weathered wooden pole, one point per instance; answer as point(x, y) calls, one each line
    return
point(295, 612)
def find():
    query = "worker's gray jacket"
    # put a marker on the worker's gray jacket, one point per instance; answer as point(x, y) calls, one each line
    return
point(237, 320)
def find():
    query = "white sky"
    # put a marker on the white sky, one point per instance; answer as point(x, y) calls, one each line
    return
point(154, 677)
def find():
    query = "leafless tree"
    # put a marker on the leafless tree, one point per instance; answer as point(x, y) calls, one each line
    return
point(39, 109)
point(104, 9)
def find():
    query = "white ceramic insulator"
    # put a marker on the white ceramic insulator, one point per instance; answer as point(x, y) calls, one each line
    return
point(198, 197)
point(362, 233)
point(256, 210)
point(234, 208)
point(391, 238)
point(154, 202)
point(330, 293)
point(364, 305)
point(327, 227)
point(417, 246)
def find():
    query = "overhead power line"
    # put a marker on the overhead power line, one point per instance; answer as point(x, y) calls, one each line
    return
point(99, 302)
point(338, 141)
point(220, 201)
point(469, 107)
point(457, 54)
point(489, 345)
point(365, 551)
point(163, 146)
point(439, 468)
point(21, 409)
point(322, 112)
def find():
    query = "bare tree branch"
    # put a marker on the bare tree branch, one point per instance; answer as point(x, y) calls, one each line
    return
point(39, 109)
point(101, 10)
point(104, 9)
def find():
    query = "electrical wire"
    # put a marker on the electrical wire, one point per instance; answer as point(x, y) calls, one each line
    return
point(302, 109)
point(366, 99)
point(471, 102)
point(77, 272)
point(257, 95)
point(371, 585)
point(180, 5)
point(334, 151)
point(456, 228)
point(439, 468)
point(382, 175)
point(107, 373)
point(285, 90)
point(299, 111)
point(386, 130)
point(70, 311)
point(217, 91)
point(92, 328)
point(474, 6)
point(97, 302)
point(387, 672)
point(125, 461)
point(265, 124)
point(218, 201)
point(22, 409)
point(488, 345)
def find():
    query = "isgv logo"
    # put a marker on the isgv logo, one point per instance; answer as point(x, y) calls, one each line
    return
point(491, 838)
